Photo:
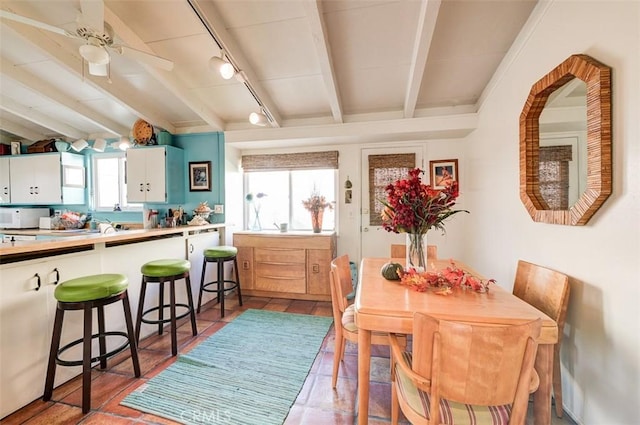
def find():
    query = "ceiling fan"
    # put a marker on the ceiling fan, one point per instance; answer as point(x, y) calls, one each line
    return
point(98, 36)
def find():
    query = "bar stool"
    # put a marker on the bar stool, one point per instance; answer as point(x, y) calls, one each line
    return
point(86, 293)
point(220, 255)
point(161, 271)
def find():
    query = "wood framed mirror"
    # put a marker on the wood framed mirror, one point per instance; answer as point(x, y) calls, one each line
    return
point(592, 184)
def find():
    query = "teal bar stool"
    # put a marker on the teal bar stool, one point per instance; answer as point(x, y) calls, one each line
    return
point(220, 255)
point(163, 271)
point(86, 293)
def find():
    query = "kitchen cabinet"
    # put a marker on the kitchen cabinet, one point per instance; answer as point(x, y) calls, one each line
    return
point(196, 244)
point(285, 265)
point(155, 174)
point(43, 179)
point(5, 181)
point(26, 324)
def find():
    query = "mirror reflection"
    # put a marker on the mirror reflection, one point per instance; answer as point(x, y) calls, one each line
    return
point(563, 146)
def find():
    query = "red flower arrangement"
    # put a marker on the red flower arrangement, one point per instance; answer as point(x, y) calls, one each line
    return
point(415, 207)
point(444, 281)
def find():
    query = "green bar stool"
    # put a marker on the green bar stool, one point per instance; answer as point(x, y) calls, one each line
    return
point(219, 255)
point(161, 271)
point(86, 293)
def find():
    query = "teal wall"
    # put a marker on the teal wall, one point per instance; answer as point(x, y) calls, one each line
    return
point(197, 147)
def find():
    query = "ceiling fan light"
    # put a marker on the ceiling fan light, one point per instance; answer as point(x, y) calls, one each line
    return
point(79, 144)
point(93, 54)
point(98, 70)
point(258, 118)
point(99, 145)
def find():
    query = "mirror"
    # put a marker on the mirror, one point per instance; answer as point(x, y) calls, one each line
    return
point(565, 143)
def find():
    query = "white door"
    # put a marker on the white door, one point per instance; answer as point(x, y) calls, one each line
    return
point(156, 175)
point(380, 167)
point(5, 189)
point(48, 181)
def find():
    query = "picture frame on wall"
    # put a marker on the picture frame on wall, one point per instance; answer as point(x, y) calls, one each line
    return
point(443, 171)
point(200, 176)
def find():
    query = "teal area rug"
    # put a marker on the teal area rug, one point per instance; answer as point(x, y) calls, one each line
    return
point(248, 373)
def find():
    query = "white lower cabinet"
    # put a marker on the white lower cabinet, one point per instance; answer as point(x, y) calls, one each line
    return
point(196, 244)
point(26, 325)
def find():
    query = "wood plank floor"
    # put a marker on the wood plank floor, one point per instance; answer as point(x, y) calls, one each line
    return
point(317, 403)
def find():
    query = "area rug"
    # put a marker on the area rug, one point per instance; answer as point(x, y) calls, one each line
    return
point(247, 373)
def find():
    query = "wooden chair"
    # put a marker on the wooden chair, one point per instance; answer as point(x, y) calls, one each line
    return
point(400, 250)
point(548, 291)
point(464, 373)
point(344, 314)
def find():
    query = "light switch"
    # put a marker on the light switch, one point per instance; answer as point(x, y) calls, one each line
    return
point(218, 209)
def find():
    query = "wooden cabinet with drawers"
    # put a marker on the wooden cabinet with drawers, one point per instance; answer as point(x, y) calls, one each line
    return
point(285, 265)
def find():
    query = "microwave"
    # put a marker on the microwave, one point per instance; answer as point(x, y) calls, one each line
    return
point(21, 218)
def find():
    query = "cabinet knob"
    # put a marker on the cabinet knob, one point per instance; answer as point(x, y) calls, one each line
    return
point(5, 190)
point(148, 187)
point(246, 265)
point(315, 268)
point(141, 187)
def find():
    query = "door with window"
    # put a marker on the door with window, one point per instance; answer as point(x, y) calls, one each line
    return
point(381, 167)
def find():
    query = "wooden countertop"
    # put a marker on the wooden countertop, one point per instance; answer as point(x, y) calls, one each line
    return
point(78, 240)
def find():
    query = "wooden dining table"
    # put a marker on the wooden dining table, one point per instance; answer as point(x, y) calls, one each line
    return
point(388, 306)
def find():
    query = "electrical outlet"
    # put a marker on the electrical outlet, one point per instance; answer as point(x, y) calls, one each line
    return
point(218, 209)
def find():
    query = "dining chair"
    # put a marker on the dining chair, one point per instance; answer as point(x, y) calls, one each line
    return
point(344, 314)
point(548, 291)
point(400, 250)
point(464, 373)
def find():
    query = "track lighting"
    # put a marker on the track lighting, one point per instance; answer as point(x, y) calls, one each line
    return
point(222, 65)
point(124, 143)
point(258, 118)
point(99, 145)
point(79, 144)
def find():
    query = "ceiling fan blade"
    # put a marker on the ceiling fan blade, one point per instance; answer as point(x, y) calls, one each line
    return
point(41, 25)
point(93, 14)
point(147, 58)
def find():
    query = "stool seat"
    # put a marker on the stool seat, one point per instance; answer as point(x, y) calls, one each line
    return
point(89, 288)
point(165, 268)
point(220, 252)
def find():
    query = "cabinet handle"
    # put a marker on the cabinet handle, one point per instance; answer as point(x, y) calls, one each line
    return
point(148, 187)
point(31, 190)
point(245, 265)
point(315, 268)
point(37, 276)
point(6, 190)
point(55, 282)
point(190, 248)
point(37, 190)
point(141, 187)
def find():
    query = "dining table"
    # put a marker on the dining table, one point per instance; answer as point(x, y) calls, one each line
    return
point(383, 305)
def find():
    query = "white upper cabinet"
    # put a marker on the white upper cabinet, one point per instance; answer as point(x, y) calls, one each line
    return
point(5, 182)
point(155, 174)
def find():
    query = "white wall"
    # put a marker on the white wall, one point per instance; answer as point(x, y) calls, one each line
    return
point(600, 352)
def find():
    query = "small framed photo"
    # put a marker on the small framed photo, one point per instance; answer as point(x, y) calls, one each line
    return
point(15, 148)
point(199, 176)
point(443, 172)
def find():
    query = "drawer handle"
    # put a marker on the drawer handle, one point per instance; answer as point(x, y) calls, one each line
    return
point(316, 268)
point(141, 187)
point(246, 265)
point(37, 276)
point(55, 282)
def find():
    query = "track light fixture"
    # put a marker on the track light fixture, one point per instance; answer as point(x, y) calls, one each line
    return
point(259, 118)
point(124, 143)
point(99, 145)
point(79, 144)
point(222, 65)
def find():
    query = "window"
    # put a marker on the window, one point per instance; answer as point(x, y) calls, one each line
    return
point(285, 191)
point(109, 183)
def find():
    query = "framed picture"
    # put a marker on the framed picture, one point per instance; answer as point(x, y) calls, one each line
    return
point(15, 148)
point(443, 171)
point(199, 176)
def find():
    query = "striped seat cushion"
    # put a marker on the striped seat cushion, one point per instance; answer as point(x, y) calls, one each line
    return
point(349, 319)
point(451, 413)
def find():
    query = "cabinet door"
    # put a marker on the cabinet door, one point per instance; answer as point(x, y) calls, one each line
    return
point(136, 175)
point(5, 189)
point(196, 245)
point(245, 266)
point(156, 178)
point(35, 179)
point(318, 268)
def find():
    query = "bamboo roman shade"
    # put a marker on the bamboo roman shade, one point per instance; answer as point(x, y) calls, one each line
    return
point(290, 161)
point(384, 170)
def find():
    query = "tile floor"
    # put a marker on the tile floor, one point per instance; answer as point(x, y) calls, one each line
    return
point(317, 403)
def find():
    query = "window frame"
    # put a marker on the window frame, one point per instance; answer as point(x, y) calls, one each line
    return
point(122, 183)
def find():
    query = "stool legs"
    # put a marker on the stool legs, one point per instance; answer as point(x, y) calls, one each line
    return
point(55, 345)
point(235, 267)
point(133, 345)
point(86, 360)
point(194, 327)
point(220, 282)
point(143, 291)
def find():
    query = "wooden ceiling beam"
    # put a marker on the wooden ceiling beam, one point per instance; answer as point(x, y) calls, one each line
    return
point(20, 130)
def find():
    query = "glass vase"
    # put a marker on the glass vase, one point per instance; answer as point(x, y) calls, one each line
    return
point(316, 220)
point(416, 252)
point(257, 226)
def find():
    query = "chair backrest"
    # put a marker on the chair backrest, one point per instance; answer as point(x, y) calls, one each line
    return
point(341, 283)
point(400, 251)
point(476, 364)
point(545, 289)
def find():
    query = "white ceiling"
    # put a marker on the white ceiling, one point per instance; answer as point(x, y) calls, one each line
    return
point(340, 69)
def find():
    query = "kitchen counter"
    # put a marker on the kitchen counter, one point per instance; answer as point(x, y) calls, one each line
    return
point(61, 242)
